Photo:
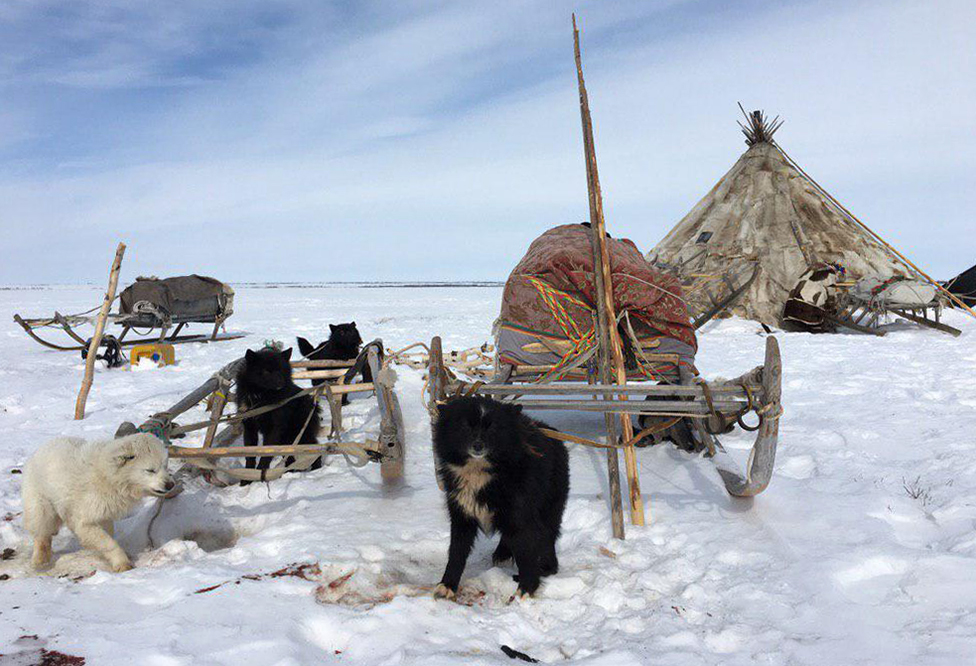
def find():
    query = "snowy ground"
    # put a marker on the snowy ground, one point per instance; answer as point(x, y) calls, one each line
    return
point(836, 563)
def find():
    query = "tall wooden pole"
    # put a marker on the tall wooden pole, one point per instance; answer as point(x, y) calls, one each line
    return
point(611, 347)
point(113, 283)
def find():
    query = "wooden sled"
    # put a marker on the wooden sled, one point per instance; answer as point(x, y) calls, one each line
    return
point(221, 431)
point(68, 323)
point(866, 317)
point(710, 408)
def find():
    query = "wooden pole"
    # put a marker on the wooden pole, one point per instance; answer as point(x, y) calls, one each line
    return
point(113, 283)
point(611, 348)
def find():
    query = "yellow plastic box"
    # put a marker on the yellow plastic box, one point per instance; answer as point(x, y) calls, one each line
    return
point(161, 354)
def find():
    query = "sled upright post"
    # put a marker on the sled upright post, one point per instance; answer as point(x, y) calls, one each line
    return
point(610, 350)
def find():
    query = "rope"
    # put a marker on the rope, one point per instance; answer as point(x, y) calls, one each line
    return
point(576, 439)
point(654, 286)
point(646, 367)
point(582, 342)
point(240, 416)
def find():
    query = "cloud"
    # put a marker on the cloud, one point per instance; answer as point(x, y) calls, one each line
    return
point(434, 141)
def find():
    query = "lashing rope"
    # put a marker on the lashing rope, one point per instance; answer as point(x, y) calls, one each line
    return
point(581, 342)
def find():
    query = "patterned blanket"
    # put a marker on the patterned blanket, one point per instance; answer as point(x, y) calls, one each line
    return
point(551, 293)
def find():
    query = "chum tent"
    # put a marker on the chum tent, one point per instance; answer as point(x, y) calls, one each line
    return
point(767, 211)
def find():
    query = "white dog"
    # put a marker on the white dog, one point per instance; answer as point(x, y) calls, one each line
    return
point(88, 486)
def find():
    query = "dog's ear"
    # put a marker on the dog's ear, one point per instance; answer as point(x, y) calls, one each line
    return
point(517, 408)
point(304, 346)
point(249, 355)
point(332, 328)
point(286, 354)
point(353, 324)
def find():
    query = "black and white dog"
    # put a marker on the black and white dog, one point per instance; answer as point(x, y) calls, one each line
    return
point(500, 473)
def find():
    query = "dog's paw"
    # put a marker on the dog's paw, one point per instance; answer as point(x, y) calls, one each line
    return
point(120, 566)
point(520, 595)
point(40, 564)
point(442, 591)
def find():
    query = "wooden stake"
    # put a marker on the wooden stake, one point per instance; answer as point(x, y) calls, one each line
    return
point(113, 283)
point(611, 348)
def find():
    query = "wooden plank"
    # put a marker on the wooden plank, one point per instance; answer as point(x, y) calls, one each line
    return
point(335, 373)
point(437, 385)
point(86, 382)
point(860, 328)
point(219, 401)
point(581, 388)
point(923, 321)
point(339, 389)
point(611, 348)
point(248, 451)
point(323, 363)
point(634, 406)
point(392, 441)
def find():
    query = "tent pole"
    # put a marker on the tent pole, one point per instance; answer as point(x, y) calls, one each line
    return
point(878, 238)
point(611, 349)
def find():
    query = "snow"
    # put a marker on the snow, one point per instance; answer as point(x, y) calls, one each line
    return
point(862, 550)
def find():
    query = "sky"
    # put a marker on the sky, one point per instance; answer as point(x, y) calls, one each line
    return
point(277, 140)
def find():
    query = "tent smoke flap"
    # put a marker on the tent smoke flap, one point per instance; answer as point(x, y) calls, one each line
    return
point(548, 312)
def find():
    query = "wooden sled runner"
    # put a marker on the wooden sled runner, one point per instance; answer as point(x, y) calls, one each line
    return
point(68, 323)
point(221, 431)
point(708, 408)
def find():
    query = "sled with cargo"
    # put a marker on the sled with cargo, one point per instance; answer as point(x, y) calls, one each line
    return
point(548, 352)
point(221, 431)
point(166, 305)
point(587, 324)
point(865, 305)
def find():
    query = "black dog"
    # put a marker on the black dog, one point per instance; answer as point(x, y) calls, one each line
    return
point(265, 379)
point(343, 345)
point(500, 473)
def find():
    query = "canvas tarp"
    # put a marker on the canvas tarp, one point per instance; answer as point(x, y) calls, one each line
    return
point(549, 302)
point(189, 297)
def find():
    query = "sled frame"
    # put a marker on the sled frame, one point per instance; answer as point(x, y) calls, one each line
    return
point(760, 388)
point(67, 325)
point(387, 447)
point(865, 317)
